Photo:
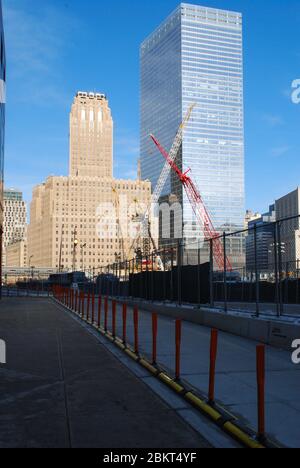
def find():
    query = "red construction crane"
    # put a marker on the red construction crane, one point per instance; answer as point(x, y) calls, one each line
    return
point(199, 209)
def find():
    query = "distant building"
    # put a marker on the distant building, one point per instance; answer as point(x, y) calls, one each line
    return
point(15, 219)
point(68, 212)
point(288, 207)
point(16, 254)
point(196, 57)
point(251, 216)
point(264, 237)
point(2, 127)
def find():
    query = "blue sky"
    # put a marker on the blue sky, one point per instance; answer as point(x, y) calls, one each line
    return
point(57, 47)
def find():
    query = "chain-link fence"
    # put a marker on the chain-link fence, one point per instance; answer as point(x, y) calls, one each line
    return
point(255, 270)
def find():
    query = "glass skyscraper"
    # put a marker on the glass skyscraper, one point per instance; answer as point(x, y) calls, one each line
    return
point(2, 128)
point(196, 57)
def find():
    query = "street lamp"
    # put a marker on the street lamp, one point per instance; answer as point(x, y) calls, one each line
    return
point(75, 244)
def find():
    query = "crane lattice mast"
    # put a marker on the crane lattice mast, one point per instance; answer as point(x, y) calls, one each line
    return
point(199, 209)
point(146, 228)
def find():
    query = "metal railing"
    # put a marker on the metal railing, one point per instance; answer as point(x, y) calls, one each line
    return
point(265, 275)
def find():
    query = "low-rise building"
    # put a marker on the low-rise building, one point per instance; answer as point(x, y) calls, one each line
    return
point(16, 254)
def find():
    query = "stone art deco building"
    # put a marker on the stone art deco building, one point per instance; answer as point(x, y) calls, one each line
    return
point(89, 206)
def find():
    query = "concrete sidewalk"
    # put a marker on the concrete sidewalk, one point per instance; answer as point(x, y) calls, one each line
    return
point(236, 372)
point(62, 388)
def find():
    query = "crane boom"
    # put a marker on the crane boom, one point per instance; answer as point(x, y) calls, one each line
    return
point(146, 227)
point(199, 209)
point(172, 156)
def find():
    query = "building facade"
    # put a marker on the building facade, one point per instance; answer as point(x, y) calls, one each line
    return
point(2, 128)
point(288, 206)
point(196, 57)
point(16, 254)
point(263, 228)
point(15, 219)
point(84, 221)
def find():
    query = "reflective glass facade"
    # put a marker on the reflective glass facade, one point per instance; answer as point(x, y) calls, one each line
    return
point(196, 56)
point(2, 120)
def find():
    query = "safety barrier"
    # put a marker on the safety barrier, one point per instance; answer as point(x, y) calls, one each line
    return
point(79, 303)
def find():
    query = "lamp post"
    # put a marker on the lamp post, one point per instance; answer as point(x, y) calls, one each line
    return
point(75, 244)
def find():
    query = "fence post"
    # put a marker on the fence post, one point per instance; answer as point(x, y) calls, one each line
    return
point(211, 272)
point(88, 306)
point(280, 268)
point(152, 277)
point(178, 328)
point(212, 369)
point(154, 338)
point(276, 268)
point(124, 316)
point(172, 276)
point(114, 316)
point(199, 274)
point(79, 302)
point(99, 310)
point(225, 274)
point(93, 308)
point(136, 329)
point(105, 313)
point(76, 300)
point(256, 272)
point(83, 305)
point(260, 370)
point(164, 276)
point(179, 262)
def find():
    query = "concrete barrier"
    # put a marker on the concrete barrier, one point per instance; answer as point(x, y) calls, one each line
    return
point(279, 334)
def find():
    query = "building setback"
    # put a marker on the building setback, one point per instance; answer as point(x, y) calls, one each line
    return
point(89, 206)
point(195, 57)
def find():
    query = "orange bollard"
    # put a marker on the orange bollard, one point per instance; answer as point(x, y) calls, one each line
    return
point(105, 313)
point(99, 310)
point(93, 308)
point(136, 329)
point(261, 377)
point(154, 338)
point(178, 348)
point(76, 301)
point(83, 305)
point(88, 307)
point(212, 370)
point(124, 314)
point(79, 302)
point(114, 315)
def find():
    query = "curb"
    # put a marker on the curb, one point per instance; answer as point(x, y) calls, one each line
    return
point(215, 413)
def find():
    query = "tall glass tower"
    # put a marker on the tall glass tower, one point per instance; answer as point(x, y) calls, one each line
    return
point(196, 57)
point(2, 129)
